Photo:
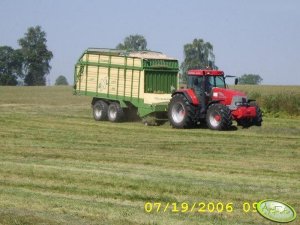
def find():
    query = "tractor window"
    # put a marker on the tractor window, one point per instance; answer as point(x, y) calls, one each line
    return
point(217, 81)
point(196, 81)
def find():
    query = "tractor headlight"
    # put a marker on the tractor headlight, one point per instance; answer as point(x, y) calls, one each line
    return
point(218, 95)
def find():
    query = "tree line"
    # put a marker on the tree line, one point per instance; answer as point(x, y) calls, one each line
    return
point(197, 55)
point(30, 64)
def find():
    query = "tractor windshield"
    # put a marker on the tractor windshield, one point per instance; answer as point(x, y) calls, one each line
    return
point(217, 81)
point(214, 81)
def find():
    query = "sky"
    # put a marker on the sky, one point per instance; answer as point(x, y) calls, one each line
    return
point(249, 36)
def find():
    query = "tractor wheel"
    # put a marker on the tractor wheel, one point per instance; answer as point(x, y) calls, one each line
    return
point(115, 112)
point(258, 119)
point(181, 113)
point(100, 110)
point(218, 117)
point(245, 123)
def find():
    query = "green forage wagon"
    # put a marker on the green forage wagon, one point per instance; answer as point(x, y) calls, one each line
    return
point(123, 83)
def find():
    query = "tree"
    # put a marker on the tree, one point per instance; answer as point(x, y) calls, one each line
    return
point(133, 43)
point(10, 66)
point(61, 80)
point(250, 79)
point(36, 56)
point(197, 55)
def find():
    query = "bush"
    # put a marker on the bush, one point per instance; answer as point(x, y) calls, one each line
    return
point(61, 80)
point(288, 103)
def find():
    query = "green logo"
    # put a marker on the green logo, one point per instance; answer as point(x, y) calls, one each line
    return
point(276, 211)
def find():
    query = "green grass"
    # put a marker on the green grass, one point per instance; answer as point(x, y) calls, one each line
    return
point(59, 166)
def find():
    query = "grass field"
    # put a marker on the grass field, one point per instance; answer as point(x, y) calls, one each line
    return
point(59, 166)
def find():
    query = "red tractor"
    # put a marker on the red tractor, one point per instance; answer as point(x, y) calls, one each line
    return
point(208, 99)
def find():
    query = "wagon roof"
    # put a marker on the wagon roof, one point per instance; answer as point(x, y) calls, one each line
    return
point(135, 54)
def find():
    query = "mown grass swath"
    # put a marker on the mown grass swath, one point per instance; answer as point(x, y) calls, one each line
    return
point(59, 166)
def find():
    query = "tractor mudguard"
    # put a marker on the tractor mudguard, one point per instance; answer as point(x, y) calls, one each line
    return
point(189, 94)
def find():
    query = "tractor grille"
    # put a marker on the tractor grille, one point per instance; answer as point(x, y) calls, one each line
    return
point(238, 101)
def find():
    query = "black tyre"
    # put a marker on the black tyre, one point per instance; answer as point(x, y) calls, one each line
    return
point(245, 123)
point(181, 113)
point(115, 112)
point(218, 117)
point(258, 119)
point(100, 110)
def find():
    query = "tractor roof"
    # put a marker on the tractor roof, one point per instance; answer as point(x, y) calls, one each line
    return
point(207, 72)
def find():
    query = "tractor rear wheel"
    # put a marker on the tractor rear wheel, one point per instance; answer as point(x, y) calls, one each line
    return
point(115, 112)
point(100, 110)
point(181, 112)
point(218, 117)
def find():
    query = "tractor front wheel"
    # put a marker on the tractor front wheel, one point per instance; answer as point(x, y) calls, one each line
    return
point(181, 113)
point(218, 117)
point(256, 121)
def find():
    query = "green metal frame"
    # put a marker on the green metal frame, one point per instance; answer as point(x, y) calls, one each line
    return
point(143, 109)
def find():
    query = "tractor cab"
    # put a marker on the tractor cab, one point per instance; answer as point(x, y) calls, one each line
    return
point(210, 85)
point(203, 82)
